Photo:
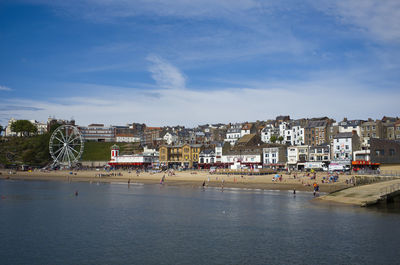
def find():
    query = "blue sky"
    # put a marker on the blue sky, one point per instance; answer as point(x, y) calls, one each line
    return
point(192, 62)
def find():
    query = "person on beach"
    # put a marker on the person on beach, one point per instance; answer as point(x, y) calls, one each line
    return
point(76, 193)
point(294, 191)
point(316, 189)
point(204, 184)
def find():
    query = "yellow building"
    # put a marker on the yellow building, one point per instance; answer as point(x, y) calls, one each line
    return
point(184, 155)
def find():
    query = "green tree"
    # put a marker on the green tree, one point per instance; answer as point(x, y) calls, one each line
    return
point(280, 139)
point(23, 127)
point(273, 139)
point(54, 127)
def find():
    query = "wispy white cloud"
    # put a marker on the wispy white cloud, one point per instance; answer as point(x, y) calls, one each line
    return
point(378, 19)
point(165, 74)
point(336, 94)
point(337, 97)
point(4, 88)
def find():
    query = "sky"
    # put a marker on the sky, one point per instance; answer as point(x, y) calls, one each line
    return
point(190, 62)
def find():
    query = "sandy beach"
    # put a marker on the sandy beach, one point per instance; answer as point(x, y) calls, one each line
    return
point(302, 182)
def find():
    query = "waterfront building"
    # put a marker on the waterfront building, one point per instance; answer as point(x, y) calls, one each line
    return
point(97, 133)
point(292, 133)
point(343, 147)
point(8, 131)
point(297, 156)
point(268, 131)
point(52, 121)
point(385, 151)
point(320, 153)
point(126, 138)
point(207, 158)
point(350, 126)
point(218, 153)
point(152, 135)
point(316, 132)
point(147, 159)
point(41, 127)
point(389, 131)
point(247, 128)
point(274, 157)
point(234, 133)
point(371, 129)
point(170, 138)
point(182, 155)
point(242, 158)
point(126, 134)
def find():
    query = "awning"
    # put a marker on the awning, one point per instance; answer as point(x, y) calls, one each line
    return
point(364, 163)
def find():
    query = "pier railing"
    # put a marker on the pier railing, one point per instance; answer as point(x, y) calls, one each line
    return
point(383, 173)
point(390, 189)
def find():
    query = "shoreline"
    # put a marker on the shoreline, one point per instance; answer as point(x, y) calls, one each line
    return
point(186, 179)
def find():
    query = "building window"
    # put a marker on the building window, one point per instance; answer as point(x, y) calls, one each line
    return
point(347, 147)
point(380, 152)
point(266, 155)
point(392, 152)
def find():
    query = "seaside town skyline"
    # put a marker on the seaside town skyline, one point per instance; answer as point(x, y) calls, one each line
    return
point(199, 131)
point(196, 62)
point(276, 143)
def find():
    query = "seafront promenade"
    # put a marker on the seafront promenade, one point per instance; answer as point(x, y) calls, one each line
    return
point(298, 181)
point(366, 195)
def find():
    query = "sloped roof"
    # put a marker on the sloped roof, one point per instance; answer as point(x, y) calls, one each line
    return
point(247, 126)
point(207, 151)
point(246, 138)
point(344, 135)
point(313, 124)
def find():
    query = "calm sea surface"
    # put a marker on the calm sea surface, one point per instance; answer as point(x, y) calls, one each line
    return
point(45, 223)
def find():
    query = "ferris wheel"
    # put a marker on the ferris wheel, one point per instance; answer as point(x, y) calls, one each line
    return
point(66, 145)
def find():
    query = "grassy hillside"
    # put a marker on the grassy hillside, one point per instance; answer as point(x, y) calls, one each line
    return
point(95, 151)
point(32, 151)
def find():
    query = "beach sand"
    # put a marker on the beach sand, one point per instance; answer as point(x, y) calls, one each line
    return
point(186, 178)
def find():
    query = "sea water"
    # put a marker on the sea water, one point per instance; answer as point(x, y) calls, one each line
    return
point(46, 223)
